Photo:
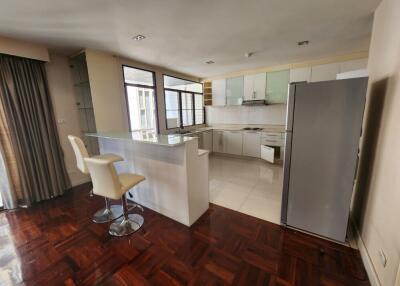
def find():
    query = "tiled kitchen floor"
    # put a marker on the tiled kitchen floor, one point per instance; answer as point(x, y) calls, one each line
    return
point(250, 186)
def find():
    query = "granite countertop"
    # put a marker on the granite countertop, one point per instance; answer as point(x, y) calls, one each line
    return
point(176, 139)
point(149, 137)
point(237, 127)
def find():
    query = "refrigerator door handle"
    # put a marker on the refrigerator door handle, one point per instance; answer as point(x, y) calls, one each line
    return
point(286, 177)
point(288, 151)
point(290, 107)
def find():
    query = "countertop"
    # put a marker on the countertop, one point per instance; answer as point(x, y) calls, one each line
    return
point(237, 127)
point(149, 137)
point(176, 139)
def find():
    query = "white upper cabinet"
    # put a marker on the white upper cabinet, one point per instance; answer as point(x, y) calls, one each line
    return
point(219, 92)
point(259, 85)
point(300, 74)
point(325, 72)
point(254, 86)
point(353, 65)
point(248, 87)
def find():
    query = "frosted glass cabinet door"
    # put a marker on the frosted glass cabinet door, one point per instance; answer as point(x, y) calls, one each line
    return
point(277, 86)
point(234, 90)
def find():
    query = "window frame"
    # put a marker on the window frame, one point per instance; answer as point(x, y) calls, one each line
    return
point(154, 87)
point(181, 126)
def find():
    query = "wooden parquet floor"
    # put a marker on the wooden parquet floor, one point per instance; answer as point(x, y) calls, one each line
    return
point(55, 243)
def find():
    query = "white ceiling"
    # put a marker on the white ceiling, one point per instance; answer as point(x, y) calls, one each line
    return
point(183, 34)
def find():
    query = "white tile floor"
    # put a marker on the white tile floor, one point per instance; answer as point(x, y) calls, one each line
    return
point(250, 186)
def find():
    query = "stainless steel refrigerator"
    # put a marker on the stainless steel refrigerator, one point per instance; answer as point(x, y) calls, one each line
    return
point(323, 129)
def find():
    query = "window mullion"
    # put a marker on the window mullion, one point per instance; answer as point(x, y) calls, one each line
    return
point(193, 110)
point(180, 109)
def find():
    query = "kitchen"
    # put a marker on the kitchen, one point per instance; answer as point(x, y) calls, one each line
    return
point(200, 142)
point(239, 121)
point(245, 133)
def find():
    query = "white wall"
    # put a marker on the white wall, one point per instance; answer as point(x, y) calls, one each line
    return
point(108, 92)
point(377, 201)
point(105, 86)
point(64, 104)
point(269, 114)
point(398, 278)
point(23, 49)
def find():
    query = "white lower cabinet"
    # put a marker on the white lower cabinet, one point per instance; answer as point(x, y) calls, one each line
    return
point(233, 141)
point(268, 153)
point(251, 143)
point(218, 141)
point(208, 140)
point(247, 143)
point(271, 143)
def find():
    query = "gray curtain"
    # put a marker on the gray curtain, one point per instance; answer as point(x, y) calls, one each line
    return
point(29, 115)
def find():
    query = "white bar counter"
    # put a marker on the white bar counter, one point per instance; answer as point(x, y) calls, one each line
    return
point(176, 171)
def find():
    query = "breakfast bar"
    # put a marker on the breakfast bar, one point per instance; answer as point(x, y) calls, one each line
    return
point(176, 171)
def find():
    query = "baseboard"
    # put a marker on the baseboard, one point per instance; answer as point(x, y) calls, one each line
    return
point(75, 183)
point(77, 178)
point(366, 259)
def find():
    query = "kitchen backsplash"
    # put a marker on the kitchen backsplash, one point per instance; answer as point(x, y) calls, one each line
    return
point(266, 114)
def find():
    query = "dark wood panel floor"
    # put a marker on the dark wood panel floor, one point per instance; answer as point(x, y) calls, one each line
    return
point(55, 243)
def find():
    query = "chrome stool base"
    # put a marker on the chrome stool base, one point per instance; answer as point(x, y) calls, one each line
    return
point(126, 225)
point(108, 214)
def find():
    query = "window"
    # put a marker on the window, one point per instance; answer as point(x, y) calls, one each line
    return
point(198, 109)
point(140, 97)
point(184, 104)
point(172, 108)
point(187, 108)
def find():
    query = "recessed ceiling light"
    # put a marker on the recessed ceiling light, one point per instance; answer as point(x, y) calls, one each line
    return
point(210, 62)
point(303, 43)
point(139, 37)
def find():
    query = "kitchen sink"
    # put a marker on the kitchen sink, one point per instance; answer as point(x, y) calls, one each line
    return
point(181, 132)
point(252, 128)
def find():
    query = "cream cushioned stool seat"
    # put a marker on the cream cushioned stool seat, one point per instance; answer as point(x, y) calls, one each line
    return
point(81, 153)
point(108, 213)
point(107, 183)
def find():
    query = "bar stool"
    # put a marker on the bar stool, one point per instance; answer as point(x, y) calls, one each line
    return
point(107, 183)
point(109, 212)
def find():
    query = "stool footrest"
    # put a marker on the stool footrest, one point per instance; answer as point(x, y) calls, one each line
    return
point(108, 214)
point(132, 206)
point(126, 226)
